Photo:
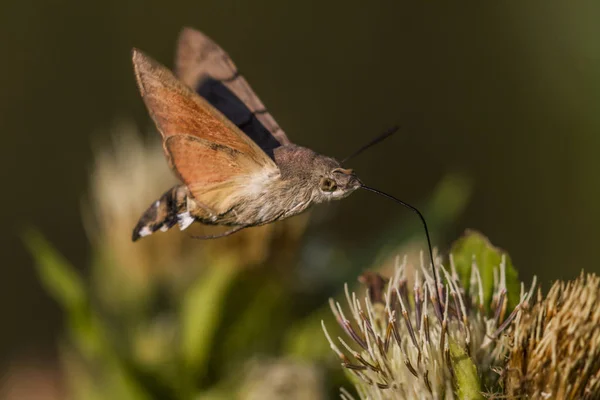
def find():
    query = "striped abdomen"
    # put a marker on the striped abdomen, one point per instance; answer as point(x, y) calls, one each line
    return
point(168, 210)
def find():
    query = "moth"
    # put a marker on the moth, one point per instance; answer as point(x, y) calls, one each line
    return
point(237, 166)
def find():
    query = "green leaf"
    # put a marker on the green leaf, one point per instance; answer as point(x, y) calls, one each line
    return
point(56, 274)
point(201, 314)
point(468, 386)
point(475, 246)
point(64, 284)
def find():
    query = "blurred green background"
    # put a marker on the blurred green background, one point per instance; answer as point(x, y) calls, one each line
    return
point(505, 94)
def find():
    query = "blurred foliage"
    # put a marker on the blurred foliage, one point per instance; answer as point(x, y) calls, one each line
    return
point(170, 317)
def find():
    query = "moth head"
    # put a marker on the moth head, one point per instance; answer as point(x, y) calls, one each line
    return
point(318, 176)
point(337, 182)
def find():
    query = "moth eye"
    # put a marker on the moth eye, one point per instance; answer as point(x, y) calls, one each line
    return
point(327, 185)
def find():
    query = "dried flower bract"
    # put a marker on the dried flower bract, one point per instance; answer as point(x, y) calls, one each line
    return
point(556, 346)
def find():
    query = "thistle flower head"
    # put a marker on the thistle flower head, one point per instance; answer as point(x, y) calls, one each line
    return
point(555, 351)
point(401, 343)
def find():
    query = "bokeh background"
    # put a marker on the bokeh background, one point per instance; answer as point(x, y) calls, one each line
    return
point(504, 95)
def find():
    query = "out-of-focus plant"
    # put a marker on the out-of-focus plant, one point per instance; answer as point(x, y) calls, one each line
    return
point(171, 317)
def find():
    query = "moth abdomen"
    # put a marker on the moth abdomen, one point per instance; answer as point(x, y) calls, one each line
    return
point(168, 210)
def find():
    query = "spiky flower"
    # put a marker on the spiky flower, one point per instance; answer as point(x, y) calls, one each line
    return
point(401, 343)
point(556, 346)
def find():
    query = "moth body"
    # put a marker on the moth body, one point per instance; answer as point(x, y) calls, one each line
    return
point(298, 186)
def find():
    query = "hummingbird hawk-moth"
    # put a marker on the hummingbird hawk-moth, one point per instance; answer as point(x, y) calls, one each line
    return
point(238, 167)
point(236, 164)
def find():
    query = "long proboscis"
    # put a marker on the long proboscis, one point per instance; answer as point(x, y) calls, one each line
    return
point(416, 211)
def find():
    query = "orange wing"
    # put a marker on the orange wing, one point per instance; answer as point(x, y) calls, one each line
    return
point(204, 148)
point(199, 58)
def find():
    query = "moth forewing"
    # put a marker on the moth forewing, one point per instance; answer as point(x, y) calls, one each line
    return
point(178, 110)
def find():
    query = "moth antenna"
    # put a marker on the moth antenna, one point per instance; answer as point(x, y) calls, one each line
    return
point(416, 211)
point(373, 142)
